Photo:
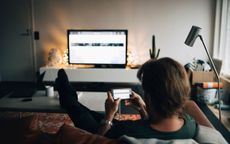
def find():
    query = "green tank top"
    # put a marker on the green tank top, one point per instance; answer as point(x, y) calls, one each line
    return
point(142, 129)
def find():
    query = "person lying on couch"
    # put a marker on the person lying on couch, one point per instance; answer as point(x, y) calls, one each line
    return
point(166, 111)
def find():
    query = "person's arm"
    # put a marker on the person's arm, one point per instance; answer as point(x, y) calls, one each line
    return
point(193, 110)
point(111, 107)
point(137, 103)
point(143, 113)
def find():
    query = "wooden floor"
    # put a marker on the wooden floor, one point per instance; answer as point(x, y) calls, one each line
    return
point(225, 116)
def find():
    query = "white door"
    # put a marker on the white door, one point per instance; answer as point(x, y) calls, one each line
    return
point(16, 49)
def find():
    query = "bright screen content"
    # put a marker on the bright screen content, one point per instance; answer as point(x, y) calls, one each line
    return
point(97, 47)
point(121, 93)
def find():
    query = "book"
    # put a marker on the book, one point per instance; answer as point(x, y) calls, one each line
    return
point(210, 85)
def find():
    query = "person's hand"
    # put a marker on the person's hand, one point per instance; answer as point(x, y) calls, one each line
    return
point(135, 101)
point(111, 107)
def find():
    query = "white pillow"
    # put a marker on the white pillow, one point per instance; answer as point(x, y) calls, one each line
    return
point(209, 135)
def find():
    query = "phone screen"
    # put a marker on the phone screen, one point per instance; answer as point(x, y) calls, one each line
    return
point(123, 93)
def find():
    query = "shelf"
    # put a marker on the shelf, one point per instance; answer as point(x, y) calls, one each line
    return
point(113, 75)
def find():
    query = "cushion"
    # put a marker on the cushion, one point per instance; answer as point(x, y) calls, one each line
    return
point(209, 135)
point(131, 140)
point(46, 138)
point(72, 135)
point(205, 135)
point(20, 131)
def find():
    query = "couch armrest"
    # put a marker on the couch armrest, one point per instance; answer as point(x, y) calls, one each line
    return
point(72, 135)
point(209, 135)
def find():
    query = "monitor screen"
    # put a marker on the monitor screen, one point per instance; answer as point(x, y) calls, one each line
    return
point(102, 48)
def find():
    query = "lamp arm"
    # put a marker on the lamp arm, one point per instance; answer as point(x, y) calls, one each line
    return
point(216, 73)
point(210, 59)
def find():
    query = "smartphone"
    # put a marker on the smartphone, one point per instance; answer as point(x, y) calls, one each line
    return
point(122, 93)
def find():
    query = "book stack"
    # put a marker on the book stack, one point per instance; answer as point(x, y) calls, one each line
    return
point(207, 92)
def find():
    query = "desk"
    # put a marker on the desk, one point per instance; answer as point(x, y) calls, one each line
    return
point(41, 103)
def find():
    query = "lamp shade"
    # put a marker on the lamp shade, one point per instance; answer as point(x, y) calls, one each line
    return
point(193, 34)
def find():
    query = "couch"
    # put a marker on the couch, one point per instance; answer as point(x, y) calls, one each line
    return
point(25, 131)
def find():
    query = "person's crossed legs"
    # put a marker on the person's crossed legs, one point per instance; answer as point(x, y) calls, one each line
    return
point(81, 116)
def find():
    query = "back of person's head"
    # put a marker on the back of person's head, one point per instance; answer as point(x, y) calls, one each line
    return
point(166, 86)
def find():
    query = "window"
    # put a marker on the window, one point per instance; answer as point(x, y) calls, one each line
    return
point(222, 35)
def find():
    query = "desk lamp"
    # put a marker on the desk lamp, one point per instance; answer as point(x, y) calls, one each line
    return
point(193, 34)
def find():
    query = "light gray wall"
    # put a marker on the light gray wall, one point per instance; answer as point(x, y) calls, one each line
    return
point(169, 20)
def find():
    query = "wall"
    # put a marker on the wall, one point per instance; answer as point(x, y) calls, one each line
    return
point(169, 20)
point(16, 52)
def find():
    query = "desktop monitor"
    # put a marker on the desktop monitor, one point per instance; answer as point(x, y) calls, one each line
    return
point(101, 48)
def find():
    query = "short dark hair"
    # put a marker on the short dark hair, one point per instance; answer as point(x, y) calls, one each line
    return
point(165, 84)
